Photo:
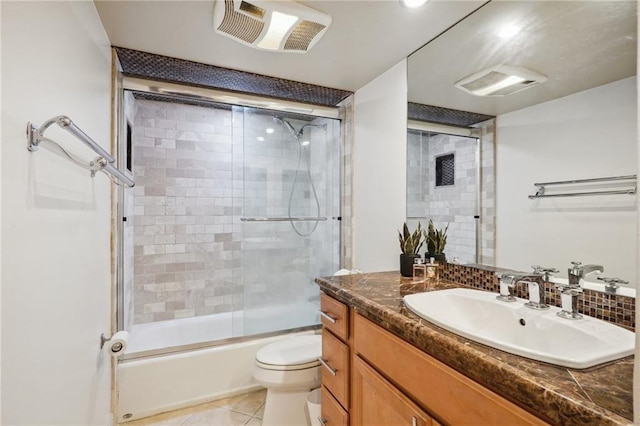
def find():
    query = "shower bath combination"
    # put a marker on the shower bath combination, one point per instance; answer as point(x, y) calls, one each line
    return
point(303, 150)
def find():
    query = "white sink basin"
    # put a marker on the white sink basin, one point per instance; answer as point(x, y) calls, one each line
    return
point(513, 328)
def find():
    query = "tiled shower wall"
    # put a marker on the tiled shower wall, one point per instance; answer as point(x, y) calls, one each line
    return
point(487, 194)
point(453, 205)
point(346, 245)
point(183, 208)
point(198, 171)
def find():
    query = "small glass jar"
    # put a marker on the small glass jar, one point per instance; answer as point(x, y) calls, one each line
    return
point(432, 270)
point(419, 269)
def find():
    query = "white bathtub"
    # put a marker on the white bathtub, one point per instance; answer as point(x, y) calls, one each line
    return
point(180, 332)
point(156, 384)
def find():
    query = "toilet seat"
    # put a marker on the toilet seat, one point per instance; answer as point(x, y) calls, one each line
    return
point(298, 353)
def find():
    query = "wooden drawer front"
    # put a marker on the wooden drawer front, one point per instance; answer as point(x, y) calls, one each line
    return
point(334, 316)
point(335, 368)
point(378, 402)
point(450, 396)
point(332, 413)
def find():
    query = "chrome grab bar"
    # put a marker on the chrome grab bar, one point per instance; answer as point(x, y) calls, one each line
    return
point(328, 317)
point(332, 370)
point(281, 219)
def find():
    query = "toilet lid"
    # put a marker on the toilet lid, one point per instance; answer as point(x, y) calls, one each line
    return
point(294, 351)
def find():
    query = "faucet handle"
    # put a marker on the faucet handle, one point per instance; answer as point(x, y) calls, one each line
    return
point(537, 269)
point(612, 284)
point(610, 280)
point(576, 264)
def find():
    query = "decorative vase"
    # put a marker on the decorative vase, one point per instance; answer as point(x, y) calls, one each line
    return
point(406, 264)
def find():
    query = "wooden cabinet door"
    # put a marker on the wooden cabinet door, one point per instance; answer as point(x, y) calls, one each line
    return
point(376, 402)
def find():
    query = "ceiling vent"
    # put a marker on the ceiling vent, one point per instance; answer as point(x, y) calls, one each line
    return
point(500, 80)
point(281, 26)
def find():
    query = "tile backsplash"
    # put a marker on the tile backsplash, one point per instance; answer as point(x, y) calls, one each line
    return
point(616, 309)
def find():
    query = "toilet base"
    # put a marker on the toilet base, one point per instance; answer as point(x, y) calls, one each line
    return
point(288, 408)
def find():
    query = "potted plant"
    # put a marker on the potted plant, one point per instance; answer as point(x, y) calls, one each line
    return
point(410, 244)
point(436, 241)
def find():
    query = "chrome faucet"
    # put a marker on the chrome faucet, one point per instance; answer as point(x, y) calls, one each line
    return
point(578, 271)
point(570, 293)
point(535, 283)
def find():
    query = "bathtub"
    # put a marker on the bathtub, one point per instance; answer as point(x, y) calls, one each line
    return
point(174, 364)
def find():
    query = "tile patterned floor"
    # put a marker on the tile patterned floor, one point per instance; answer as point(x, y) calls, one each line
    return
point(241, 410)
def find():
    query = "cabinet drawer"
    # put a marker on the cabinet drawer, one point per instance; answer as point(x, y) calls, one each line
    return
point(448, 394)
point(332, 413)
point(334, 316)
point(335, 367)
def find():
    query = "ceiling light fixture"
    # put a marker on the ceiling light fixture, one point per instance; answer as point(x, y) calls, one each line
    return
point(412, 4)
point(260, 139)
point(508, 31)
point(269, 130)
point(500, 80)
point(282, 26)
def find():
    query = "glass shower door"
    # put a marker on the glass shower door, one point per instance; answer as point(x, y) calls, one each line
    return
point(290, 208)
point(442, 185)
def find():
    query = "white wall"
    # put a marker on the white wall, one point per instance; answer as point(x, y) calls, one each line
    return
point(379, 194)
point(55, 218)
point(585, 135)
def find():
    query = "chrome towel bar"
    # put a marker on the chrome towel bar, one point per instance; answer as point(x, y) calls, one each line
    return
point(628, 180)
point(282, 219)
point(102, 163)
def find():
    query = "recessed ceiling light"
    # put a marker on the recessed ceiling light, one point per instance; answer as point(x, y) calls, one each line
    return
point(305, 143)
point(260, 139)
point(412, 3)
point(508, 31)
point(269, 130)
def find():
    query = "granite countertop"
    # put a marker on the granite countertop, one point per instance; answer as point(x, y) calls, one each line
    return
point(601, 395)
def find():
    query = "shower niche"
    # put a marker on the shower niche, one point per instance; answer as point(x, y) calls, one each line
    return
point(233, 215)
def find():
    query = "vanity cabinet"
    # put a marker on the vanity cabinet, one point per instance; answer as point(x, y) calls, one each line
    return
point(447, 394)
point(372, 377)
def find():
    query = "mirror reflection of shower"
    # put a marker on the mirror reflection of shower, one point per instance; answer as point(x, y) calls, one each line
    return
point(303, 151)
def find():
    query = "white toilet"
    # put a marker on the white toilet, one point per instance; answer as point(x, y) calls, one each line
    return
point(289, 369)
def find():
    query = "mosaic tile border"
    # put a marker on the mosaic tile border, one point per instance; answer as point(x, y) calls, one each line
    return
point(163, 68)
point(613, 308)
point(451, 117)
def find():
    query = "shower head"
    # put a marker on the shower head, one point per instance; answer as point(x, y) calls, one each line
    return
point(283, 122)
point(322, 126)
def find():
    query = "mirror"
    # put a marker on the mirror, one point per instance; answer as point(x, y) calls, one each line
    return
point(571, 116)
